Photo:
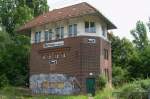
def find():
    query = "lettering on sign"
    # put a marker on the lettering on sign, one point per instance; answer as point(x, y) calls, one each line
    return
point(54, 44)
point(91, 40)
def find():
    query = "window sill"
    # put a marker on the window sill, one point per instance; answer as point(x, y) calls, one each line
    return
point(89, 31)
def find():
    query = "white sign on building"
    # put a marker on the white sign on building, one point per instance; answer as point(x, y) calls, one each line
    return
point(54, 44)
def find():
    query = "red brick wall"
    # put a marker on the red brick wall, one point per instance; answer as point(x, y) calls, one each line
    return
point(81, 58)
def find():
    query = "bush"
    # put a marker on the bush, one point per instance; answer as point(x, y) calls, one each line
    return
point(3, 81)
point(106, 93)
point(101, 81)
point(119, 76)
point(135, 90)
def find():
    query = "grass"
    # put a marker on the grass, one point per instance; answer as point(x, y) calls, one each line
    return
point(106, 93)
point(18, 93)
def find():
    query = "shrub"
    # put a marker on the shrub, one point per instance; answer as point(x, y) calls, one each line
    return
point(106, 93)
point(101, 81)
point(135, 90)
point(3, 81)
point(119, 76)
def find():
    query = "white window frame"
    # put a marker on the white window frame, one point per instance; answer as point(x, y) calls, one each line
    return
point(89, 29)
point(103, 31)
point(73, 31)
point(49, 35)
point(60, 32)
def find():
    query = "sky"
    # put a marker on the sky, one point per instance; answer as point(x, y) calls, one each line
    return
point(123, 13)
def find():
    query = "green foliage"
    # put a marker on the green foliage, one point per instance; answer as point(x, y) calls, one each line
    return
point(122, 52)
point(101, 81)
point(3, 81)
point(135, 89)
point(140, 35)
point(14, 49)
point(106, 93)
point(38, 6)
point(139, 64)
point(13, 61)
point(131, 60)
point(14, 13)
point(119, 75)
point(122, 49)
point(21, 93)
point(4, 40)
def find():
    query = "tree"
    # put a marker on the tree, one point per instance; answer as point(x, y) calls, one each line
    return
point(14, 61)
point(140, 36)
point(14, 13)
point(139, 62)
point(122, 50)
point(14, 55)
point(4, 40)
point(120, 75)
point(38, 6)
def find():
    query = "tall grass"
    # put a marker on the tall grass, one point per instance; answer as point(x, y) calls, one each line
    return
point(106, 93)
point(20, 93)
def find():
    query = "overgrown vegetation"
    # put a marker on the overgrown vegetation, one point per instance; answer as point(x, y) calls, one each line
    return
point(138, 89)
point(21, 93)
point(101, 81)
point(14, 48)
point(131, 60)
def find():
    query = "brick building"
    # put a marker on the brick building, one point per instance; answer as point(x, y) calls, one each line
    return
point(69, 49)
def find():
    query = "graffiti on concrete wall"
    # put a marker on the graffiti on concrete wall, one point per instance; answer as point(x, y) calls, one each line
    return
point(52, 84)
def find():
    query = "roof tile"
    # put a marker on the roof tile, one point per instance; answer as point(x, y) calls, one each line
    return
point(63, 13)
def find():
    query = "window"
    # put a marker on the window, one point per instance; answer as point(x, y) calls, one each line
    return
point(75, 29)
point(106, 73)
point(48, 35)
point(72, 30)
point(37, 37)
point(60, 33)
point(90, 27)
point(103, 31)
point(57, 33)
point(106, 54)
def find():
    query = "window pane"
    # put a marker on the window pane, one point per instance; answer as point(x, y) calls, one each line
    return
point(57, 33)
point(75, 29)
point(62, 32)
point(70, 30)
point(39, 37)
point(87, 27)
point(103, 31)
point(106, 54)
point(46, 36)
point(92, 27)
point(36, 37)
point(50, 34)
